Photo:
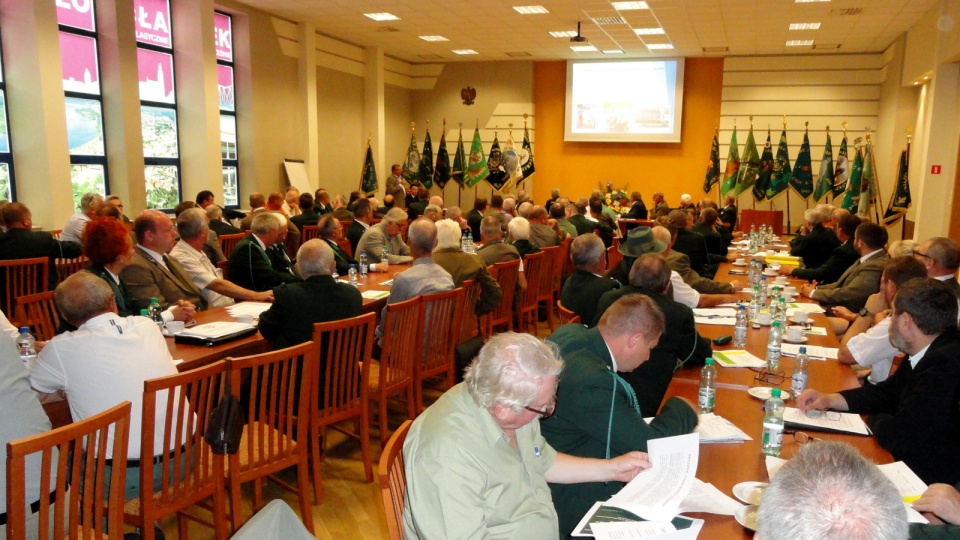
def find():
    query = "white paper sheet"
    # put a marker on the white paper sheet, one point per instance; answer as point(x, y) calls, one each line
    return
point(718, 321)
point(216, 329)
point(816, 331)
point(625, 530)
point(704, 497)
point(715, 312)
point(714, 429)
point(792, 308)
point(375, 295)
point(847, 423)
point(773, 464)
point(815, 352)
point(656, 493)
point(737, 358)
point(253, 309)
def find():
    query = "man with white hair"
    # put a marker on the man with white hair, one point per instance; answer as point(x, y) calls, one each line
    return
point(686, 204)
point(255, 263)
point(73, 229)
point(437, 200)
point(475, 462)
point(828, 490)
point(660, 206)
point(291, 202)
point(387, 235)
point(554, 195)
point(509, 208)
point(433, 212)
point(520, 236)
point(463, 266)
point(455, 214)
point(815, 242)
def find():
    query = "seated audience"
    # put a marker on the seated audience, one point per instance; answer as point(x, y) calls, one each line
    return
point(561, 213)
point(815, 242)
point(638, 210)
point(840, 258)
point(582, 290)
point(707, 228)
point(680, 263)
point(597, 413)
point(554, 195)
point(116, 202)
point(475, 216)
point(211, 244)
point(660, 206)
point(415, 208)
point(307, 216)
point(217, 224)
point(728, 216)
point(913, 413)
point(520, 236)
point(476, 465)
point(682, 291)
point(206, 199)
point(321, 202)
point(606, 226)
point(691, 244)
point(22, 242)
point(686, 204)
point(73, 229)
point(388, 234)
point(257, 205)
point(291, 240)
point(331, 232)
point(579, 219)
point(456, 215)
point(258, 263)
point(495, 249)
point(941, 257)
point(433, 212)
point(463, 266)
point(361, 221)
point(828, 490)
point(542, 232)
point(340, 210)
point(291, 202)
point(902, 248)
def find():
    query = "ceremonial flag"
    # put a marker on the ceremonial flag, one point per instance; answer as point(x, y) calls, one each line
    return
point(780, 178)
point(426, 163)
point(511, 163)
point(411, 165)
point(733, 165)
point(868, 184)
point(441, 173)
point(900, 201)
point(749, 165)
point(825, 178)
point(713, 166)
point(477, 165)
point(851, 196)
point(498, 175)
point(802, 179)
point(459, 160)
point(368, 176)
point(766, 171)
point(841, 173)
point(526, 156)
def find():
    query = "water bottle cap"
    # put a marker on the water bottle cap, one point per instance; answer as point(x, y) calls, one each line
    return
point(803, 350)
point(143, 313)
point(775, 392)
point(24, 329)
point(154, 300)
point(708, 362)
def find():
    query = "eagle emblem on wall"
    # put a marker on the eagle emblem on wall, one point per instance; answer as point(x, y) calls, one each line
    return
point(468, 94)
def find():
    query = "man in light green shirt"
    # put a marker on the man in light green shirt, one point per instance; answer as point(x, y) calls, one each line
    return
point(476, 464)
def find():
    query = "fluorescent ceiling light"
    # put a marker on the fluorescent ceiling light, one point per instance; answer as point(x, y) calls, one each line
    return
point(434, 38)
point(810, 1)
point(583, 48)
point(530, 10)
point(648, 31)
point(800, 43)
point(662, 46)
point(564, 33)
point(627, 6)
point(382, 16)
point(465, 51)
point(613, 51)
point(805, 26)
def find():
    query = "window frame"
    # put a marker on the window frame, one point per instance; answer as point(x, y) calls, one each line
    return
point(235, 162)
point(6, 158)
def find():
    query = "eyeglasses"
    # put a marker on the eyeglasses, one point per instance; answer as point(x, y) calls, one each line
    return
point(769, 377)
point(800, 437)
point(924, 255)
point(832, 416)
point(547, 412)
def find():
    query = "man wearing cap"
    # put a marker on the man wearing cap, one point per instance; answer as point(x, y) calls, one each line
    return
point(639, 240)
point(585, 286)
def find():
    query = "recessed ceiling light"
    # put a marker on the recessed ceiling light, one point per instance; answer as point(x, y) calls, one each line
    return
point(465, 51)
point(648, 31)
point(805, 26)
point(614, 51)
point(434, 38)
point(382, 16)
point(530, 10)
point(925, 77)
point(583, 48)
point(661, 46)
point(810, 1)
point(915, 83)
point(799, 43)
point(627, 6)
point(564, 33)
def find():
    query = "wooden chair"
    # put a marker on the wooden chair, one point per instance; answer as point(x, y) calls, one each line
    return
point(191, 472)
point(20, 278)
point(394, 372)
point(39, 312)
point(534, 270)
point(567, 316)
point(279, 383)
point(71, 457)
point(470, 325)
point(230, 241)
point(309, 232)
point(56, 233)
point(626, 224)
point(548, 278)
point(68, 267)
point(565, 269)
point(440, 315)
point(506, 274)
point(613, 257)
point(344, 244)
point(393, 482)
point(345, 347)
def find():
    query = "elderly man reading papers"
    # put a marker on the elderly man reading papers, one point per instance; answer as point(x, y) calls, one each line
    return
point(476, 464)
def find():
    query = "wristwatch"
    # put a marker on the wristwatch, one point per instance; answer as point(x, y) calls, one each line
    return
point(865, 313)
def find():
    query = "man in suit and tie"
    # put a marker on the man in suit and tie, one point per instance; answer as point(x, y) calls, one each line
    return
point(660, 206)
point(153, 273)
point(840, 259)
point(475, 216)
point(331, 232)
point(728, 216)
point(941, 257)
point(307, 215)
point(860, 280)
point(258, 263)
point(816, 242)
point(21, 242)
point(585, 286)
point(362, 215)
point(217, 225)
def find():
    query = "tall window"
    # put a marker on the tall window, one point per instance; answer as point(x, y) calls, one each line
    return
point(223, 33)
point(158, 102)
point(81, 88)
point(7, 190)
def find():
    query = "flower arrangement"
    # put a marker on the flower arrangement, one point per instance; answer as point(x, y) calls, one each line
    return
point(616, 199)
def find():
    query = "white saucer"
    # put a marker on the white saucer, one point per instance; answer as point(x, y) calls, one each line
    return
point(794, 320)
point(747, 516)
point(740, 264)
point(749, 492)
point(763, 393)
point(801, 340)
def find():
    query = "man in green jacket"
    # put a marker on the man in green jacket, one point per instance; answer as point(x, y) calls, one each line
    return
point(597, 413)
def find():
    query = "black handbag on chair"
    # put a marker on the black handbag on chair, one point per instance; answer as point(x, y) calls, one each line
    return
point(225, 425)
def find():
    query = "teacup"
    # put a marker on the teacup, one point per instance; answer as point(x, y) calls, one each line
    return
point(764, 318)
point(740, 261)
point(769, 272)
point(800, 316)
point(173, 327)
point(794, 333)
point(781, 280)
point(787, 297)
point(790, 289)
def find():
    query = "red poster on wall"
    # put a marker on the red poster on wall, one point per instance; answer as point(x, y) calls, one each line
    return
point(76, 14)
point(225, 87)
point(223, 36)
point(152, 22)
point(156, 76)
point(79, 63)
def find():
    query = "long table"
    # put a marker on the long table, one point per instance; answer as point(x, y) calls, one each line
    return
point(725, 465)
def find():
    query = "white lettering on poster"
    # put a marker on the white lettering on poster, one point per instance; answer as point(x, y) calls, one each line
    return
point(80, 6)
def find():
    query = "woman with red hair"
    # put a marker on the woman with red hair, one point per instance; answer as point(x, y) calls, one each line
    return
point(108, 245)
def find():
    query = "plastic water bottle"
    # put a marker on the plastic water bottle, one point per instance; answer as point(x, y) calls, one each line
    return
point(352, 274)
point(464, 246)
point(25, 344)
point(708, 387)
point(335, 275)
point(755, 304)
point(740, 328)
point(362, 260)
point(772, 438)
point(799, 381)
point(470, 247)
point(763, 291)
point(782, 311)
point(774, 340)
point(386, 254)
point(156, 312)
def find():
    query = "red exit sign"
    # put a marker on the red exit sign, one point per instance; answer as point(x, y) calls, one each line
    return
point(935, 169)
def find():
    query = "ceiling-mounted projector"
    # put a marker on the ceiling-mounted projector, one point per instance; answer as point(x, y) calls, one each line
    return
point(578, 38)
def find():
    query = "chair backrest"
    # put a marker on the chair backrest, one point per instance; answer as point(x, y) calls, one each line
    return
point(22, 277)
point(230, 241)
point(440, 313)
point(68, 267)
point(548, 272)
point(343, 370)
point(567, 316)
point(393, 481)
point(70, 457)
point(613, 257)
point(190, 470)
point(533, 271)
point(471, 293)
point(279, 382)
point(344, 244)
point(565, 266)
point(309, 232)
point(39, 312)
point(506, 274)
point(401, 339)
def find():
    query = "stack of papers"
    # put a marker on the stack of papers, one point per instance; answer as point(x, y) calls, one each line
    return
point(216, 330)
point(794, 307)
point(253, 309)
point(720, 316)
point(375, 295)
point(846, 423)
point(738, 358)
point(813, 351)
point(716, 429)
point(816, 331)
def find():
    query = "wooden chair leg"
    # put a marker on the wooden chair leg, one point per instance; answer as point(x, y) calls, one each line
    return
point(303, 481)
point(236, 508)
point(220, 531)
point(411, 403)
point(365, 444)
point(315, 459)
point(384, 428)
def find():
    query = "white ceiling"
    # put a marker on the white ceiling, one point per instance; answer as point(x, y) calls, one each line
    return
point(498, 32)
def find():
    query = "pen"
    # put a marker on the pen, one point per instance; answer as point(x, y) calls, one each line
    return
point(536, 451)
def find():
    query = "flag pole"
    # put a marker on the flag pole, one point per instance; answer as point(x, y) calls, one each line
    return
point(770, 202)
point(475, 186)
point(753, 204)
point(716, 134)
point(789, 223)
point(903, 220)
point(878, 200)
